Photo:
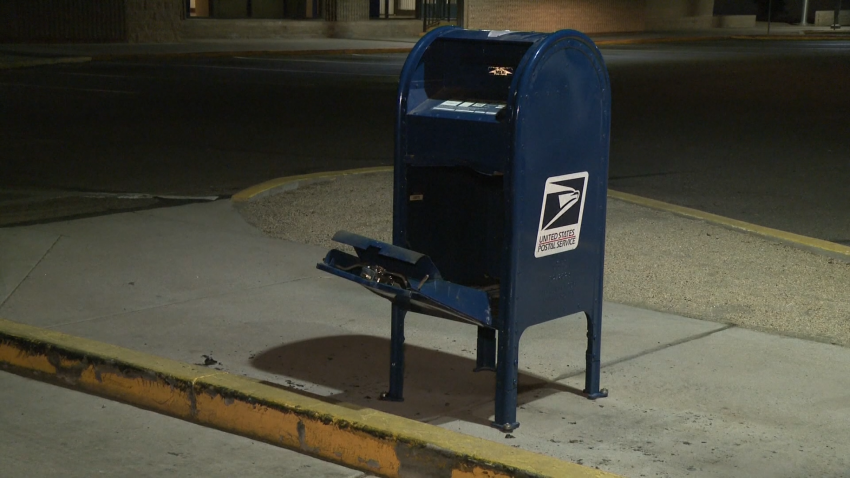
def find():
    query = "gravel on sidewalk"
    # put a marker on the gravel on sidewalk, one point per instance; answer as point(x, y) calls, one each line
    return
point(654, 259)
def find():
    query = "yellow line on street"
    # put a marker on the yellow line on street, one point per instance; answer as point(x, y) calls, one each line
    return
point(294, 182)
point(817, 245)
point(811, 243)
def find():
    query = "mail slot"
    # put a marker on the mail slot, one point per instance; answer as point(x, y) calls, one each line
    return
point(500, 182)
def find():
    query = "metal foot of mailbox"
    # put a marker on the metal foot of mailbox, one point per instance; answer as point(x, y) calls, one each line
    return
point(507, 375)
point(592, 356)
point(602, 393)
point(396, 392)
point(486, 356)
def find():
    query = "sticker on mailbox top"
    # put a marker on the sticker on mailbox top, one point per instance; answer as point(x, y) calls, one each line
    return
point(561, 213)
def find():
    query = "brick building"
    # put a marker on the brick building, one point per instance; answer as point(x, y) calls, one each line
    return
point(592, 16)
point(172, 20)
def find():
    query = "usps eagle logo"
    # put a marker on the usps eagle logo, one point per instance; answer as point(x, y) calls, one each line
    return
point(561, 214)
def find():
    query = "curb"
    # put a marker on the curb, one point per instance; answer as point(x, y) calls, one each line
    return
point(30, 62)
point(811, 244)
point(368, 440)
point(290, 183)
point(219, 54)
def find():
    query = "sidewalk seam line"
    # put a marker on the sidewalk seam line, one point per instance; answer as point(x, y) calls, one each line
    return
point(653, 350)
point(43, 256)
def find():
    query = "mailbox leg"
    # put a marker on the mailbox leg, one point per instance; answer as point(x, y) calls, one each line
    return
point(594, 352)
point(507, 370)
point(396, 357)
point(486, 358)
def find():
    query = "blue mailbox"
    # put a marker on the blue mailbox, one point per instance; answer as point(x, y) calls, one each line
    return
point(501, 176)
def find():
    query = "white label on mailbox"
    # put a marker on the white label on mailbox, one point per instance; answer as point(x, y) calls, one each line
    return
point(561, 213)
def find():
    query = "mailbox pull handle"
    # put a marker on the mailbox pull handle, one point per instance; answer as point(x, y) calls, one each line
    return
point(387, 250)
point(503, 114)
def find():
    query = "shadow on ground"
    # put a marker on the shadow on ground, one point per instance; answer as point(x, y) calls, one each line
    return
point(439, 386)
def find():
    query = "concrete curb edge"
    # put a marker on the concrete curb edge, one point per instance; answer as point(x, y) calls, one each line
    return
point(364, 439)
point(289, 183)
point(811, 244)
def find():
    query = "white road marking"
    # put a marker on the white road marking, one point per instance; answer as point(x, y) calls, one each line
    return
point(302, 60)
point(91, 90)
point(285, 70)
point(148, 196)
point(133, 77)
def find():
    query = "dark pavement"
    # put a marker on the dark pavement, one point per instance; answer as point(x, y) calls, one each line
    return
point(750, 130)
point(753, 130)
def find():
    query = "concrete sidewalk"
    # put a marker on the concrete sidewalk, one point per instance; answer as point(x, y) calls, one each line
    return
point(688, 398)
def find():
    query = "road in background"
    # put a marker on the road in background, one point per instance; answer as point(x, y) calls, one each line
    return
point(757, 131)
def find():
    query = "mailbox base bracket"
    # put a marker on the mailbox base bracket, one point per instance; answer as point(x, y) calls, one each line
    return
point(600, 394)
point(389, 398)
point(485, 360)
point(505, 427)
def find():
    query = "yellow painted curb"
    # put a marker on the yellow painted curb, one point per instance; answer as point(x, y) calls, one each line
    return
point(810, 243)
point(290, 183)
point(360, 438)
point(815, 245)
point(219, 53)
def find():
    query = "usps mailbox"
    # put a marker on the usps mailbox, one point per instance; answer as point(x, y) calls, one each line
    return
point(501, 174)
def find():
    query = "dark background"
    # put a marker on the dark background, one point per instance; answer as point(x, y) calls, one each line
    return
point(757, 131)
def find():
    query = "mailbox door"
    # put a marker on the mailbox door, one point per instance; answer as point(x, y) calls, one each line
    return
point(559, 181)
point(408, 279)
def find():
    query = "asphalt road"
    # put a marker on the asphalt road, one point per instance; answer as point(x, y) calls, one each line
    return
point(758, 131)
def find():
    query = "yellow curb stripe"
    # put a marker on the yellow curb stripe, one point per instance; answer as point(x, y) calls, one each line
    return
point(219, 54)
point(294, 182)
point(364, 439)
point(811, 243)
